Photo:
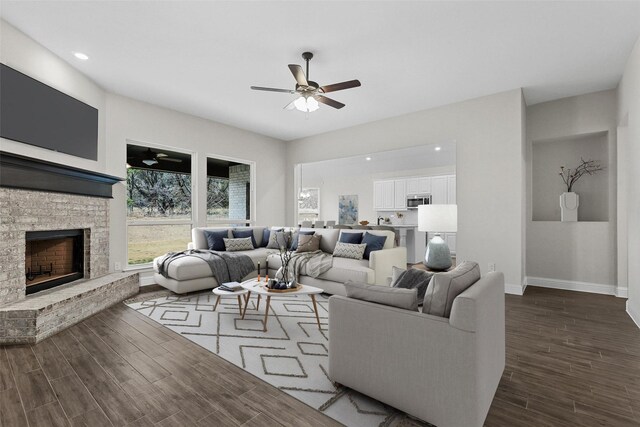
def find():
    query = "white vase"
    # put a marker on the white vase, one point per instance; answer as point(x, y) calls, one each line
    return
point(569, 203)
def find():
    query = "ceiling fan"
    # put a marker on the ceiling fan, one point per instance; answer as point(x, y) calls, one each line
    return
point(310, 93)
point(150, 157)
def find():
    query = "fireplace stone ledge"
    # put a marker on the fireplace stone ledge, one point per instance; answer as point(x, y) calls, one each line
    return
point(45, 313)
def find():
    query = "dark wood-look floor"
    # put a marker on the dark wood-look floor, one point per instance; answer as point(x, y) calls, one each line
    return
point(572, 359)
point(120, 368)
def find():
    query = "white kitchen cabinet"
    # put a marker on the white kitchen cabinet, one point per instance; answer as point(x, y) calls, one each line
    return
point(378, 195)
point(439, 186)
point(388, 195)
point(418, 186)
point(424, 185)
point(412, 186)
point(451, 189)
point(400, 193)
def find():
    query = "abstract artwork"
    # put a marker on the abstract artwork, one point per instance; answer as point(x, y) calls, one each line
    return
point(348, 209)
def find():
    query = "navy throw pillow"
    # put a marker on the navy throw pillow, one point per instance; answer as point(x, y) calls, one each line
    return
point(374, 243)
point(266, 234)
point(214, 239)
point(239, 234)
point(352, 238)
point(294, 243)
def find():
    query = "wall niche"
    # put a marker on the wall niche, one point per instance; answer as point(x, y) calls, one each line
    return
point(547, 157)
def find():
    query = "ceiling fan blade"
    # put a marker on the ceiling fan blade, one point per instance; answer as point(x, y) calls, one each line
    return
point(290, 106)
point(272, 89)
point(328, 101)
point(340, 86)
point(169, 159)
point(297, 72)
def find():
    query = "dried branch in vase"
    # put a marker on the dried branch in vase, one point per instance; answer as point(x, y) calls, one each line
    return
point(571, 176)
point(284, 243)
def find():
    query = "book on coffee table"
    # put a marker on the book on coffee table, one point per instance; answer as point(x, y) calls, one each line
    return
point(230, 286)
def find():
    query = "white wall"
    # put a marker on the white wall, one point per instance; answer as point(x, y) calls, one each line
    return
point(131, 120)
point(629, 117)
point(488, 135)
point(585, 251)
point(332, 186)
point(122, 119)
point(29, 57)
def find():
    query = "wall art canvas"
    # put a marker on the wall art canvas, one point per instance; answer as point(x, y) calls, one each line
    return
point(348, 209)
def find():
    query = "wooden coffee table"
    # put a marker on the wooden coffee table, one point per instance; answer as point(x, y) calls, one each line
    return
point(253, 286)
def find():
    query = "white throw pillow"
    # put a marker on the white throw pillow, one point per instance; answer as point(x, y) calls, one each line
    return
point(349, 250)
point(241, 244)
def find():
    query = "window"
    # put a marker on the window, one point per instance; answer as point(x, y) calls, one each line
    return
point(228, 192)
point(309, 204)
point(159, 216)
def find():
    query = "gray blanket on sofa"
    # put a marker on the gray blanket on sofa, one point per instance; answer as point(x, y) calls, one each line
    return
point(311, 264)
point(225, 266)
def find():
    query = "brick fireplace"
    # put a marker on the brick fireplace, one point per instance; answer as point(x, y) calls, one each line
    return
point(49, 238)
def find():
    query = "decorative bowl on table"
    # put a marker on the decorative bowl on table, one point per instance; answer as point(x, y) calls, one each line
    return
point(365, 223)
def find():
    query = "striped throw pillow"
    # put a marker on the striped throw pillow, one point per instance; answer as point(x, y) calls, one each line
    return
point(349, 250)
point(242, 244)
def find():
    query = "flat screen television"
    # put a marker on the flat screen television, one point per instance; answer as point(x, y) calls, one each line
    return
point(33, 113)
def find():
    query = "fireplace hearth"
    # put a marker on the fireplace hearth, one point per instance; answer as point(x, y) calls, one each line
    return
point(53, 258)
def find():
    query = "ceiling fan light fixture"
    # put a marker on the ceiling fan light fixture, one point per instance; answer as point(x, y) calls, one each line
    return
point(306, 104)
point(150, 162)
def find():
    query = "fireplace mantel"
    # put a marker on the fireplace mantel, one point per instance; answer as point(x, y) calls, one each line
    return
point(32, 174)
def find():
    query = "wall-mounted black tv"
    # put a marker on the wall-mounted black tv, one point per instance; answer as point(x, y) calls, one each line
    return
point(34, 113)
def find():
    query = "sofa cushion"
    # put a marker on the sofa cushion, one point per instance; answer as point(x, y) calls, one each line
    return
point(241, 244)
point(296, 237)
point(445, 287)
point(373, 242)
point(412, 278)
point(349, 250)
point(329, 238)
point(215, 239)
point(308, 243)
point(247, 232)
point(352, 237)
point(279, 238)
point(395, 297)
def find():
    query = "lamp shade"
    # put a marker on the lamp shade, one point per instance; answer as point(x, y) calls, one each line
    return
point(442, 218)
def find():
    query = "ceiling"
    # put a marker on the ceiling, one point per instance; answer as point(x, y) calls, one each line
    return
point(201, 57)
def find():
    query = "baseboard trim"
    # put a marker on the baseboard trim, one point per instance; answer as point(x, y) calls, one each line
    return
point(622, 292)
point(513, 289)
point(572, 285)
point(147, 280)
point(633, 314)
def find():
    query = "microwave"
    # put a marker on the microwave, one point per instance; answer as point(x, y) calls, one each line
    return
point(414, 201)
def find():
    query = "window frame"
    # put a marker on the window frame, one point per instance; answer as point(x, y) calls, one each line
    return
point(252, 194)
point(139, 222)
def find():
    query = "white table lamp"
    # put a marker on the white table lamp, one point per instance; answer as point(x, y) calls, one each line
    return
point(438, 219)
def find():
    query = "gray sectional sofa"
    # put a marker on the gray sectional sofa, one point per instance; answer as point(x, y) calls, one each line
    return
point(191, 274)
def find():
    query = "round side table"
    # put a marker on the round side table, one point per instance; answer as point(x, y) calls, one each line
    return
point(220, 293)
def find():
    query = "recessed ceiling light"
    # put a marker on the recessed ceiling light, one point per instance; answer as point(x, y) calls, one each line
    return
point(81, 56)
point(438, 148)
point(368, 158)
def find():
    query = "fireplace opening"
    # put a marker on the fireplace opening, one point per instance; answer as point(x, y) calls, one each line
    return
point(53, 258)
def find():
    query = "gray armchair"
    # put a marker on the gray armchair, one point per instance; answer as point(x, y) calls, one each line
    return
point(443, 371)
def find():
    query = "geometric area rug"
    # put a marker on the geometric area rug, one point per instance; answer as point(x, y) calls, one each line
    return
point(292, 355)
